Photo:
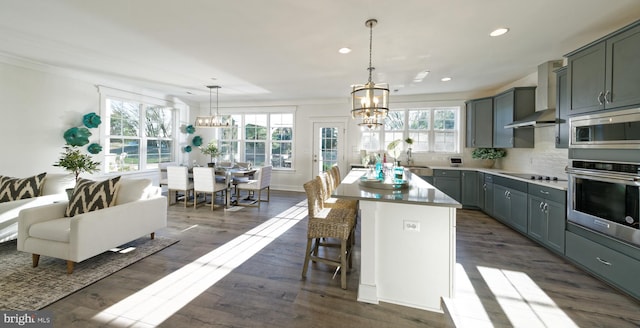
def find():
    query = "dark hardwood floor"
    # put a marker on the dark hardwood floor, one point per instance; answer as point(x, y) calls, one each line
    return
point(200, 282)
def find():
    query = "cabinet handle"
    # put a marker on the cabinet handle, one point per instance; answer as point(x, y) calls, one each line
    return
point(600, 97)
point(607, 97)
point(603, 261)
point(544, 192)
point(508, 195)
point(484, 187)
point(541, 206)
point(473, 142)
point(545, 209)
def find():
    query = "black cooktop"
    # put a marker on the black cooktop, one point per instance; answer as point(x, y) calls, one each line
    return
point(537, 177)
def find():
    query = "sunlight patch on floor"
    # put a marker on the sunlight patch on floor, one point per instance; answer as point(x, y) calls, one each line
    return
point(154, 304)
point(523, 301)
point(466, 307)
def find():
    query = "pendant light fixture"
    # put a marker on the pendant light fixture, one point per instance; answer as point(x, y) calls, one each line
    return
point(370, 101)
point(211, 121)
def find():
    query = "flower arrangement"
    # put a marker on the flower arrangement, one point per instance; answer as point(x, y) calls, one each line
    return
point(488, 153)
point(211, 149)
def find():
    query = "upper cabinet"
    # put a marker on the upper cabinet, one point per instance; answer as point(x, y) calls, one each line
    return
point(512, 105)
point(479, 115)
point(562, 109)
point(605, 74)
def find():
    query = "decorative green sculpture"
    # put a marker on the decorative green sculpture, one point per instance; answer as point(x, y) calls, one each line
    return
point(91, 120)
point(197, 141)
point(94, 148)
point(77, 136)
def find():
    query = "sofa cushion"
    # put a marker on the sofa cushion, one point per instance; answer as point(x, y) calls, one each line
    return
point(131, 190)
point(91, 195)
point(57, 230)
point(13, 188)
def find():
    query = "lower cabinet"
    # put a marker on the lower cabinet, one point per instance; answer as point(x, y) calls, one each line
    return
point(547, 222)
point(469, 186)
point(448, 181)
point(616, 268)
point(487, 188)
point(510, 203)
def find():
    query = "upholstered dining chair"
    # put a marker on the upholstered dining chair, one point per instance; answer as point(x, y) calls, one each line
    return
point(178, 181)
point(261, 181)
point(204, 181)
point(324, 223)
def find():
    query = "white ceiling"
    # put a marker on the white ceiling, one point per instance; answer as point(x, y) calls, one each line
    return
point(260, 50)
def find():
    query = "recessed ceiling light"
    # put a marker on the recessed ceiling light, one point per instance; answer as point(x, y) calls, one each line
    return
point(499, 31)
point(420, 76)
point(445, 79)
point(344, 50)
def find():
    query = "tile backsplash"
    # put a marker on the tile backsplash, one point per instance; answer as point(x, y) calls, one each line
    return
point(544, 159)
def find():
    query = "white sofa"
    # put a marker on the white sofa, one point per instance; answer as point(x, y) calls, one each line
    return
point(53, 189)
point(139, 209)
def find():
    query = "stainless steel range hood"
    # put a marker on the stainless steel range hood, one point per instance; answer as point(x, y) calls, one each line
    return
point(545, 113)
point(537, 119)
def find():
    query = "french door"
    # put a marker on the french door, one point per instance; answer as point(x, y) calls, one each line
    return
point(329, 146)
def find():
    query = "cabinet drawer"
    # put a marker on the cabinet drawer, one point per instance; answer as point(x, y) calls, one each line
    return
point(446, 173)
point(511, 183)
point(552, 194)
point(612, 266)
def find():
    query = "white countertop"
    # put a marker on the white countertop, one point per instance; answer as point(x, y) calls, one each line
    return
point(562, 185)
point(419, 191)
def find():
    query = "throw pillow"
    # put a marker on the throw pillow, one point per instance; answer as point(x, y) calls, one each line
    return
point(13, 188)
point(91, 195)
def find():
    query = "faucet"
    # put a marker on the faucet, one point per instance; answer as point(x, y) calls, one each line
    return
point(409, 158)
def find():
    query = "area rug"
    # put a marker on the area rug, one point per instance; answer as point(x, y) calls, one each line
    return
point(25, 288)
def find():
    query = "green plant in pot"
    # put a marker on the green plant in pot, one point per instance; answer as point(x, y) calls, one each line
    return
point(73, 160)
point(212, 150)
point(488, 155)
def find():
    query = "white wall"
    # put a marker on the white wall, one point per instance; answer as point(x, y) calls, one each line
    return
point(37, 105)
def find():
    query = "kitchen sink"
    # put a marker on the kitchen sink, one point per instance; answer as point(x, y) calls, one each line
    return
point(420, 170)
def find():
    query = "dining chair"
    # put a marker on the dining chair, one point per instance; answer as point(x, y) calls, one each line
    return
point(261, 181)
point(325, 223)
point(178, 181)
point(224, 164)
point(205, 182)
point(162, 168)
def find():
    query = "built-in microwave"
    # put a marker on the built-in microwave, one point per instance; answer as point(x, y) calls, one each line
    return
point(616, 130)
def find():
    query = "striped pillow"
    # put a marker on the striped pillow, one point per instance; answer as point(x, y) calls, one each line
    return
point(91, 195)
point(13, 188)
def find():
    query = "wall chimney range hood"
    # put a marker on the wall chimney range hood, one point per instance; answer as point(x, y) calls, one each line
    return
point(545, 114)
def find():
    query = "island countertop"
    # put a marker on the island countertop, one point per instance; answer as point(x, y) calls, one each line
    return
point(419, 191)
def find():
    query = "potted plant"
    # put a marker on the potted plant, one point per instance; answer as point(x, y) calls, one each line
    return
point(73, 160)
point(211, 149)
point(488, 155)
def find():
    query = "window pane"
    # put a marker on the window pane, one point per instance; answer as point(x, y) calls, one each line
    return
point(420, 141)
point(255, 152)
point(394, 121)
point(445, 142)
point(231, 133)
point(392, 136)
point(158, 151)
point(124, 155)
point(444, 119)
point(371, 141)
point(124, 118)
point(256, 127)
point(229, 151)
point(159, 122)
point(419, 119)
point(281, 154)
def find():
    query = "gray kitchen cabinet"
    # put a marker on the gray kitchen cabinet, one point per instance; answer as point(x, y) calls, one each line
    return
point(480, 190)
point(469, 189)
point(511, 105)
point(487, 188)
point(510, 203)
point(562, 109)
point(614, 267)
point(604, 75)
point(479, 121)
point(448, 181)
point(547, 216)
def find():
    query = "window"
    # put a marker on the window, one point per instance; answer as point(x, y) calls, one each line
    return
point(259, 138)
point(432, 130)
point(140, 136)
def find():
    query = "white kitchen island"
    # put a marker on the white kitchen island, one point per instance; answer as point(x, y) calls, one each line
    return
point(408, 242)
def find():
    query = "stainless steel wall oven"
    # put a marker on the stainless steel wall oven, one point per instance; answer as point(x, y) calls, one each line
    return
point(604, 196)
